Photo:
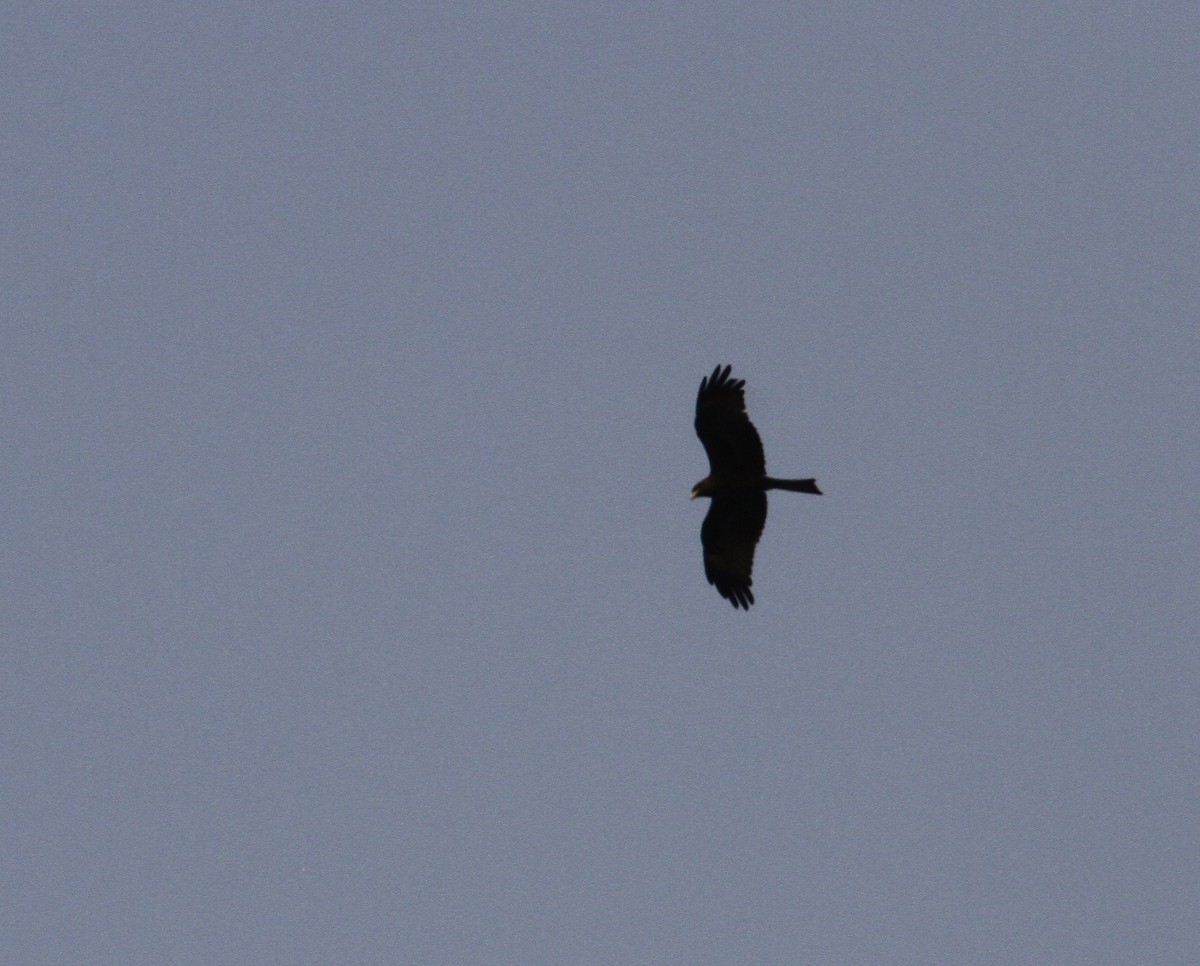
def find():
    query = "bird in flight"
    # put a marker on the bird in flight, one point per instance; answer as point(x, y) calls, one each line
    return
point(737, 483)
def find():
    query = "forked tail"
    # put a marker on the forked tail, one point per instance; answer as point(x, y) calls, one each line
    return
point(796, 486)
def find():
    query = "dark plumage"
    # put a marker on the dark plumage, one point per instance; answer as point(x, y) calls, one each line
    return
point(737, 483)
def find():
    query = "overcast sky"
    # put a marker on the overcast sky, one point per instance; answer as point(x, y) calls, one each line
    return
point(353, 608)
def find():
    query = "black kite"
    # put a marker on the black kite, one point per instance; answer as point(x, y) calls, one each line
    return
point(737, 483)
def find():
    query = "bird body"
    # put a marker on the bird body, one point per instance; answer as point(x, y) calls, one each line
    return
point(737, 484)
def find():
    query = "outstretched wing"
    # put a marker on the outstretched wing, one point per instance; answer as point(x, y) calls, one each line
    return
point(729, 437)
point(729, 535)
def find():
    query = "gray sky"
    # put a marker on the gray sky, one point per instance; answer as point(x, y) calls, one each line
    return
point(353, 608)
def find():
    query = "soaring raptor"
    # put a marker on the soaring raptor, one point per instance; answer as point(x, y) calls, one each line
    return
point(737, 483)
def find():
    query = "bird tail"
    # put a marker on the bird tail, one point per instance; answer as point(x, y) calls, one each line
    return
point(796, 486)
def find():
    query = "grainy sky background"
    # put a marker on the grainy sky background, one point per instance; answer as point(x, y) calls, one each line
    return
point(353, 608)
